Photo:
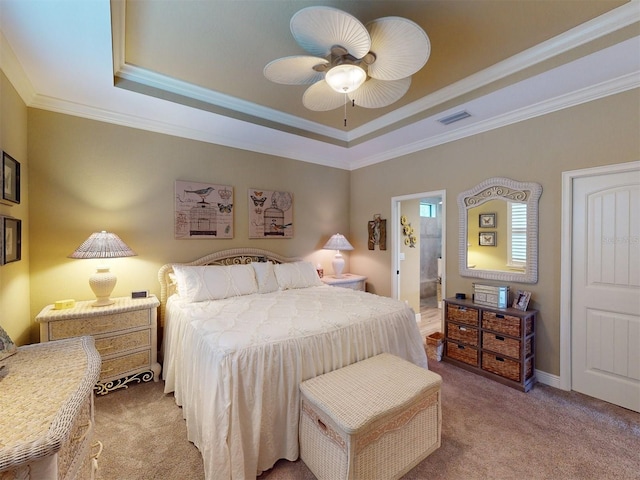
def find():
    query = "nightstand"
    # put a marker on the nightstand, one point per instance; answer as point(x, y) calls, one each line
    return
point(348, 280)
point(125, 334)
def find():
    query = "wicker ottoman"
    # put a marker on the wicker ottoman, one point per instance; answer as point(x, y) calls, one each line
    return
point(373, 420)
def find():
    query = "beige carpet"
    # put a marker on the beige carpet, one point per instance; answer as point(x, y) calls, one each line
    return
point(489, 432)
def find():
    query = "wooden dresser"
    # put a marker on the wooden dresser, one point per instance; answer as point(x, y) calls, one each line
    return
point(46, 400)
point(125, 334)
point(498, 343)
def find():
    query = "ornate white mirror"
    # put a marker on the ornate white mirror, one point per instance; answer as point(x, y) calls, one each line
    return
point(499, 230)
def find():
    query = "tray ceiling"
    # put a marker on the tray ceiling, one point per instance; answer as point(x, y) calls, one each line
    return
point(205, 58)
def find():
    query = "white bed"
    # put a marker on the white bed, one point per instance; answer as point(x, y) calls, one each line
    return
point(235, 364)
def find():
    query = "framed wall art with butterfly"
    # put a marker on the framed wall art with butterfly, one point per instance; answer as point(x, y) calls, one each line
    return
point(270, 214)
point(203, 210)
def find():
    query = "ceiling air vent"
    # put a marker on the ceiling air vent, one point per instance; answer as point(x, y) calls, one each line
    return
point(455, 117)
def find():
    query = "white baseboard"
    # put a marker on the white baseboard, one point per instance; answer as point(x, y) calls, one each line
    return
point(548, 379)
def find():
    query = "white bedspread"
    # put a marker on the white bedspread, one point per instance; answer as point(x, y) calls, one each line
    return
point(235, 365)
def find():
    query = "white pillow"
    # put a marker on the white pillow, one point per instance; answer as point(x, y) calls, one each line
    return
point(265, 277)
point(201, 283)
point(296, 275)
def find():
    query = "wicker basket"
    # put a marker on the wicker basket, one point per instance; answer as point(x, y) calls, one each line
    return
point(501, 345)
point(501, 323)
point(505, 367)
point(435, 346)
point(458, 313)
point(375, 419)
point(463, 353)
point(462, 334)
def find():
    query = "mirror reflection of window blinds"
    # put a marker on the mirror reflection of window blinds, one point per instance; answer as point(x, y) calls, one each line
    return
point(517, 234)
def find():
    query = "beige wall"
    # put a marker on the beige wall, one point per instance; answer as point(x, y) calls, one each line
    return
point(14, 277)
point(410, 266)
point(597, 133)
point(88, 176)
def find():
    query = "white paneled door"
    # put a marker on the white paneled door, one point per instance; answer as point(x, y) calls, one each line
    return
point(605, 292)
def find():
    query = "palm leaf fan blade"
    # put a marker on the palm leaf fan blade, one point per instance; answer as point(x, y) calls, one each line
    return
point(317, 29)
point(320, 97)
point(401, 48)
point(294, 70)
point(378, 93)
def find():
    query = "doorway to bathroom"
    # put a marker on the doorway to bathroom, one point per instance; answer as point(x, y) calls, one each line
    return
point(418, 245)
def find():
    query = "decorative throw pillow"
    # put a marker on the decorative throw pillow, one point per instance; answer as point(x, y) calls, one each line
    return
point(201, 283)
point(296, 275)
point(7, 347)
point(265, 276)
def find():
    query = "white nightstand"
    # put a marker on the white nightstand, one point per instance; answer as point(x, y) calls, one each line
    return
point(348, 280)
point(125, 334)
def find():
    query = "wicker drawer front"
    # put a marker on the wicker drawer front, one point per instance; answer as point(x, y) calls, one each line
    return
point(462, 334)
point(501, 323)
point(117, 367)
point(462, 353)
point(461, 314)
point(505, 367)
point(122, 343)
point(501, 345)
point(95, 325)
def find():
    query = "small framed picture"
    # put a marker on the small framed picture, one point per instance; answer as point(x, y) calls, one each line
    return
point(487, 239)
point(521, 300)
point(10, 179)
point(487, 220)
point(12, 236)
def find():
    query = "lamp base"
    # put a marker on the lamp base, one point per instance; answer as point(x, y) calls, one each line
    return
point(103, 302)
point(338, 265)
point(102, 282)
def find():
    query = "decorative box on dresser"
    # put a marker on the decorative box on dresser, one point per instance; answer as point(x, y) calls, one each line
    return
point(46, 400)
point(498, 343)
point(347, 280)
point(125, 334)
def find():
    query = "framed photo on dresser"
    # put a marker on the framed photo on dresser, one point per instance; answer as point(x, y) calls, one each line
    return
point(521, 300)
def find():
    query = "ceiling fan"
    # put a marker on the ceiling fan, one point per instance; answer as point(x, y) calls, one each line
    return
point(371, 65)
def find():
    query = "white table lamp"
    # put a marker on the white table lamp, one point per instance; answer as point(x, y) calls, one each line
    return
point(102, 245)
point(338, 242)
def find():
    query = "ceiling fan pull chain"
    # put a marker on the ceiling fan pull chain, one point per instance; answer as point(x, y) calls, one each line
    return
point(345, 109)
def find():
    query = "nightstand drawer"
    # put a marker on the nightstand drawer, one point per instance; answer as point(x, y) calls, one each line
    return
point(124, 342)
point(95, 325)
point(117, 367)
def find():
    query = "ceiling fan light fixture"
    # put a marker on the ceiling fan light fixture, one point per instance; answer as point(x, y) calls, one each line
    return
point(345, 78)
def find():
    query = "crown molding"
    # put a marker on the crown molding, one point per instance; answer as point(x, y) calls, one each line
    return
point(604, 89)
point(142, 76)
point(12, 68)
point(282, 149)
